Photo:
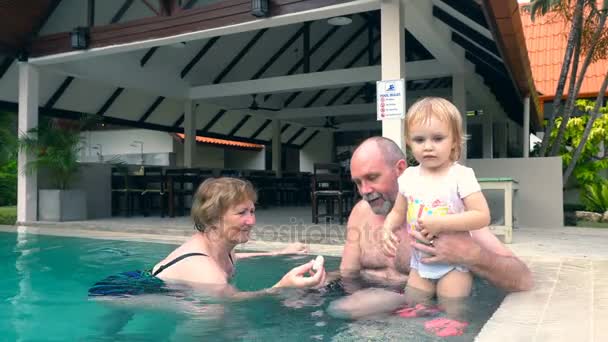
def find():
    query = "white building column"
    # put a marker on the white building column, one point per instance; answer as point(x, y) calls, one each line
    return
point(526, 128)
point(27, 184)
point(393, 59)
point(459, 99)
point(276, 147)
point(189, 134)
point(488, 132)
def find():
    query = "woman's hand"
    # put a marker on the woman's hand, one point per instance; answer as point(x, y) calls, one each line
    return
point(295, 248)
point(296, 277)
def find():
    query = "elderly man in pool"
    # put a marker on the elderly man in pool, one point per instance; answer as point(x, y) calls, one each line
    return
point(375, 167)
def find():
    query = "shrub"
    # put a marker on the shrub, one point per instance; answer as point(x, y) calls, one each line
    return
point(8, 215)
point(595, 196)
point(8, 183)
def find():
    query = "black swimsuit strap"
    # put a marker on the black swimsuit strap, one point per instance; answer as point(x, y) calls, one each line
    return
point(178, 259)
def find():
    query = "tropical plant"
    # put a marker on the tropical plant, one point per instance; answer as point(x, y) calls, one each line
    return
point(8, 137)
point(581, 148)
point(54, 146)
point(587, 38)
point(595, 196)
point(8, 159)
point(595, 112)
point(8, 183)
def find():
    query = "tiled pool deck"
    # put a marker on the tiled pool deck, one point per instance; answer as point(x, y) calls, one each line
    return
point(570, 265)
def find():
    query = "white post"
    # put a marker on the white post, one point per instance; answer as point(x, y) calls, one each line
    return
point(276, 147)
point(393, 59)
point(526, 132)
point(189, 133)
point(27, 184)
point(460, 101)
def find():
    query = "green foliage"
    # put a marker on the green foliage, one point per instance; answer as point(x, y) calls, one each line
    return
point(541, 7)
point(8, 137)
point(595, 196)
point(591, 162)
point(55, 147)
point(8, 215)
point(8, 183)
point(8, 159)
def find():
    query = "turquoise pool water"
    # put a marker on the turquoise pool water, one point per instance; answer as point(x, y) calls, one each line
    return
point(43, 297)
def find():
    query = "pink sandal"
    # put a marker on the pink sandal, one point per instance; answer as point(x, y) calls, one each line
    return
point(418, 311)
point(444, 327)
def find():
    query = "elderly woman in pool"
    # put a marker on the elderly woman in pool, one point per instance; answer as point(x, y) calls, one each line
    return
point(224, 214)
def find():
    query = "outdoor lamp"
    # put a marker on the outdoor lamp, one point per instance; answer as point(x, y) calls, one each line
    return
point(259, 8)
point(79, 38)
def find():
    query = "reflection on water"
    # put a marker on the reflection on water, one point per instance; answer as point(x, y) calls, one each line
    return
point(43, 294)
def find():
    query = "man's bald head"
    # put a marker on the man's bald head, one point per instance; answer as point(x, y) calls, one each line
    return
point(387, 148)
point(375, 166)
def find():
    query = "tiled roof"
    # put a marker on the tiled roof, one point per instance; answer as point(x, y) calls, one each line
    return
point(546, 42)
point(215, 141)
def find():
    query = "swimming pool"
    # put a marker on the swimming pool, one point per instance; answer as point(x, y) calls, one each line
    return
point(43, 296)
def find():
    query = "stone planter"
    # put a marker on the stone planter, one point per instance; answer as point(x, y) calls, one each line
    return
point(62, 205)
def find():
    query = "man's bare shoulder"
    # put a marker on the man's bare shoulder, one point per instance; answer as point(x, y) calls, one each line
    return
point(360, 213)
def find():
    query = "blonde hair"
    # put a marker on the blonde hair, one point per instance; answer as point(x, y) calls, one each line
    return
point(443, 110)
point(215, 196)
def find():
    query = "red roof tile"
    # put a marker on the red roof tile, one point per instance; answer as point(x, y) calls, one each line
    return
point(546, 42)
point(216, 141)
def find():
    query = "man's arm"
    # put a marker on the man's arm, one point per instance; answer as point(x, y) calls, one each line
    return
point(483, 254)
point(350, 264)
point(496, 263)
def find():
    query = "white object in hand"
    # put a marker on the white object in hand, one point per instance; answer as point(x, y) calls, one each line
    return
point(318, 263)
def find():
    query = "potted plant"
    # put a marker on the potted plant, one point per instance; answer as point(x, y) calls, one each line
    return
point(55, 147)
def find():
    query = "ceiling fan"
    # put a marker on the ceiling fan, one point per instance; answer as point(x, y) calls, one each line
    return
point(330, 122)
point(255, 106)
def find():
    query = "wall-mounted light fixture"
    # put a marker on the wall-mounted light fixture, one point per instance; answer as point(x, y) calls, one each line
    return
point(79, 38)
point(259, 8)
point(339, 21)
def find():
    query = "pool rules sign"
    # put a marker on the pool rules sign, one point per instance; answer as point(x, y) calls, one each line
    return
point(390, 99)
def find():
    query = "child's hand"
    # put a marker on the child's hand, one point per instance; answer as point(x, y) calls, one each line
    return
point(430, 225)
point(389, 243)
point(427, 235)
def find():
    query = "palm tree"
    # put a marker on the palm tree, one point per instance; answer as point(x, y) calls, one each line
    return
point(542, 7)
point(55, 149)
point(585, 35)
point(575, 88)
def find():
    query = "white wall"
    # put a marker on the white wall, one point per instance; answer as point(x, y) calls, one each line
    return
point(318, 150)
point(244, 160)
point(119, 141)
point(540, 195)
point(206, 156)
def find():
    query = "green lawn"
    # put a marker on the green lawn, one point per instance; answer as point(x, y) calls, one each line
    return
point(591, 224)
point(8, 215)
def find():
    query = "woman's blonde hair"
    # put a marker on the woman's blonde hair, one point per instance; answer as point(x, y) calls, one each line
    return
point(443, 110)
point(215, 196)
